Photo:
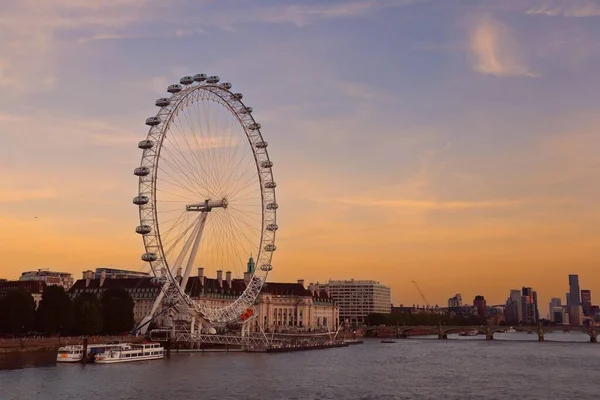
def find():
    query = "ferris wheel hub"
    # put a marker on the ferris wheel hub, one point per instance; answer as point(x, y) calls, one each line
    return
point(207, 205)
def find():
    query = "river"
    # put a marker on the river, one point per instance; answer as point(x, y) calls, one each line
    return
point(515, 365)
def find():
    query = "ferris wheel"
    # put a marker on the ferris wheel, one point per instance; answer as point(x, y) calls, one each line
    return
point(206, 196)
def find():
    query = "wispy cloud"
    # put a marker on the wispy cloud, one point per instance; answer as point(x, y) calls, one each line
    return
point(495, 51)
point(20, 195)
point(566, 8)
point(432, 205)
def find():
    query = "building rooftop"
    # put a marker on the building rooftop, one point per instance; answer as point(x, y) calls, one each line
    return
point(33, 287)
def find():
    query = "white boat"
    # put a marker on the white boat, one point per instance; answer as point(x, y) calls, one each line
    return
point(468, 333)
point(74, 352)
point(131, 352)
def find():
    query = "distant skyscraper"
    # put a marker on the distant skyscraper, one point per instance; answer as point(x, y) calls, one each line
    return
point(529, 305)
point(555, 310)
point(574, 299)
point(513, 311)
point(455, 301)
point(480, 305)
point(586, 302)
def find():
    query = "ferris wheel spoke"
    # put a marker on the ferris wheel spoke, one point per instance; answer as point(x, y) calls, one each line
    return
point(241, 220)
point(176, 166)
point(241, 226)
point(236, 165)
point(176, 195)
point(183, 165)
point(176, 183)
point(201, 173)
point(232, 243)
point(236, 237)
point(238, 190)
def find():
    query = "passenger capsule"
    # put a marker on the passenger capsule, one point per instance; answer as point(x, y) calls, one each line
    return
point(175, 88)
point(143, 229)
point(266, 164)
point(272, 227)
point(146, 144)
point(261, 145)
point(162, 102)
point(186, 80)
point(140, 200)
point(226, 85)
point(149, 257)
point(270, 185)
point(266, 267)
point(270, 247)
point(238, 96)
point(153, 121)
point(246, 110)
point(141, 171)
point(200, 77)
point(254, 126)
point(213, 79)
point(272, 206)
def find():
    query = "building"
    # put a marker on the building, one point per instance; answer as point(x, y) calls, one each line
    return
point(479, 304)
point(114, 273)
point(555, 309)
point(586, 302)
point(357, 299)
point(513, 312)
point(529, 307)
point(573, 298)
point(63, 279)
point(574, 301)
point(279, 307)
point(456, 301)
point(34, 288)
point(142, 290)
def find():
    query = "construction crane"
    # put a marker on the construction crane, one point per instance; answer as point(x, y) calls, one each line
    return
point(422, 295)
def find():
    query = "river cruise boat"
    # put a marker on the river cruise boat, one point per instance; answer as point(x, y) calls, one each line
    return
point(132, 352)
point(74, 352)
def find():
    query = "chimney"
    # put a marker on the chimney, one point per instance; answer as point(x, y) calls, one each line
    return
point(301, 281)
point(178, 272)
point(311, 287)
point(87, 275)
point(201, 275)
point(228, 278)
point(102, 278)
point(220, 278)
point(247, 276)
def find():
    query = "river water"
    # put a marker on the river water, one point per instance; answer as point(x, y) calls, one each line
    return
point(566, 366)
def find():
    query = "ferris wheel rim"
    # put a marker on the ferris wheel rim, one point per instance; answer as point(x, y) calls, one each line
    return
point(151, 159)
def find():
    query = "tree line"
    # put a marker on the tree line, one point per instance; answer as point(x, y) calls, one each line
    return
point(57, 314)
point(423, 319)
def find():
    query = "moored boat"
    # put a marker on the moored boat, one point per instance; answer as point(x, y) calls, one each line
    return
point(74, 352)
point(132, 352)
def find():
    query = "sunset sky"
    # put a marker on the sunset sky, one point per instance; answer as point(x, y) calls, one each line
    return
point(454, 143)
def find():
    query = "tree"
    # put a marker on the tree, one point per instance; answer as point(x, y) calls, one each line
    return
point(55, 312)
point(88, 314)
point(377, 319)
point(17, 313)
point(117, 311)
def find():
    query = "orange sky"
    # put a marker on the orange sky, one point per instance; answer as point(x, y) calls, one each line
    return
point(463, 157)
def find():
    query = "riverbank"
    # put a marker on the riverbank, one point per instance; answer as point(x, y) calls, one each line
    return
point(19, 345)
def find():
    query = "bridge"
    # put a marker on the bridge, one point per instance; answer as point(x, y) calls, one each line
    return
point(442, 331)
